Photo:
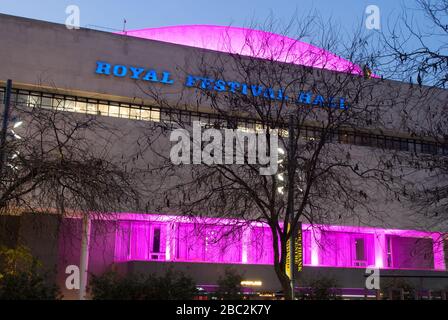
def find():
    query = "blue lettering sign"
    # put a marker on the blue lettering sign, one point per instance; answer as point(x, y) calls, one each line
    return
point(219, 85)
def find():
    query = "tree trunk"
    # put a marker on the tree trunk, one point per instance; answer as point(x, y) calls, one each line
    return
point(279, 263)
point(284, 280)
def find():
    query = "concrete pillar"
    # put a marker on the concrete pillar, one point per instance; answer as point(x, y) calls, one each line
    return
point(84, 260)
point(439, 255)
point(380, 249)
point(170, 242)
point(315, 242)
point(245, 244)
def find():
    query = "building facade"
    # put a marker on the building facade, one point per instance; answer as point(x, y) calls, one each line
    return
point(98, 74)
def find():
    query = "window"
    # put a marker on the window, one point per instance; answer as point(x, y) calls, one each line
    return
point(34, 101)
point(70, 105)
point(81, 107)
point(410, 253)
point(58, 103)
point(140, 240)
point(114, 111)
point(134, 113)
point(389, 252)
point(124, 111)
point(149, 113)
point(156, 240)
point(47, 102)
point(404, 145)
point(103, 109)
point(346, 249)
point(429, 148)
point(22, 99)
point(146, 114)
point(346, 137)
point(155, 115)
point(156, 252)
point(91, 108)
point(363, 139)
point(360, 252)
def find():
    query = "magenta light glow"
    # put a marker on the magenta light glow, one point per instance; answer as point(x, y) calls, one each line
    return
point(248, 42)
point(214, 240)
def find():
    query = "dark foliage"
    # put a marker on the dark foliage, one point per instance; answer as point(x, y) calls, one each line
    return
point(170, 286)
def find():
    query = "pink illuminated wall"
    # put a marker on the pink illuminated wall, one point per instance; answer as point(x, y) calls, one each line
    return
point(248, 42)
point(212, 240)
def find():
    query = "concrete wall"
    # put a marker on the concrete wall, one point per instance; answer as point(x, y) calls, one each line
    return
point(208, 274)
point(47, 55)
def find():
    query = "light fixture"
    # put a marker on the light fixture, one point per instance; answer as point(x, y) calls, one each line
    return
point(280, 190)
point(16, 135)
point(281, 151)
point(251, 283)
point(280, 177)
point(17, 124)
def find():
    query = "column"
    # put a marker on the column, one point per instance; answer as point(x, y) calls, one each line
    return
point(380, 249)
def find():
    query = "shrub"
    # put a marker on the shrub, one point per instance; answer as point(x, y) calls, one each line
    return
point(22, 277)
point(324, 288)
point(173, 285)
point(229, 286)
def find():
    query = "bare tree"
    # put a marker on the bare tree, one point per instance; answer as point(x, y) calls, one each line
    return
point(417, 48)
point(417, 42)
point(259, 87)
point(58, 162)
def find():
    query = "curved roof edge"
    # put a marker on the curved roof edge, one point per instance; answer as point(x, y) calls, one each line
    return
point(249, 42)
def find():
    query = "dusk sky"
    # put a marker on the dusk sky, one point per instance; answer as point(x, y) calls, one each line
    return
point(150, 13)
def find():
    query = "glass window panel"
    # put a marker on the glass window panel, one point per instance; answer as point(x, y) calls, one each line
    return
point(47, 102)
point(70, 105)
point(140, 233)
point(122, 242)
point(124, 111)
point(156, 240)
point(33, 101)
point(91, 108)
point(146, 114)
point(81, 107)
point(134, 113)
point(114, 111)
point(155, 115)
point(58, 103)
point(22, 99)
point(103, 109)
point(360, 249)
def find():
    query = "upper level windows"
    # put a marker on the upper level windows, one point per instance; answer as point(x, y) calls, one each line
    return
point(151, 113)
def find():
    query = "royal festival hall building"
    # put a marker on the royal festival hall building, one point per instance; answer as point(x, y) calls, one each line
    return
point(94, 74)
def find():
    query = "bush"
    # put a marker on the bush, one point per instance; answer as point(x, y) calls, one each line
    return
point(394, 286)
point(229, 286)
point(324, 288)
point(22, 277)
point(170, 286)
